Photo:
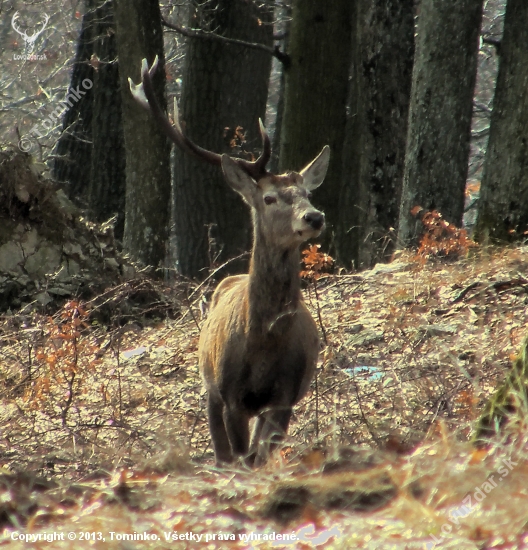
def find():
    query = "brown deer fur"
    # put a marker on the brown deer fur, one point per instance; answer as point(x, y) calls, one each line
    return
point(259, 346)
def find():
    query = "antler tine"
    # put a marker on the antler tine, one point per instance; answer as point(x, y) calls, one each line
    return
point(266, 145)
point(144, 94)
point(257, 168)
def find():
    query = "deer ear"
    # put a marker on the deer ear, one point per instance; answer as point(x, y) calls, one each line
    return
point(238, 179)
point(314, 173)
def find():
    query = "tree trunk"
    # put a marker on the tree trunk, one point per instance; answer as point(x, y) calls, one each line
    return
point(224, 86)
point(439, 131)
point(90, 156)
point(376, 131)
point(285, 15)
point(106, 194)
point(316, 94)
point(73, 153)
point(503, 202)
point(139, 36)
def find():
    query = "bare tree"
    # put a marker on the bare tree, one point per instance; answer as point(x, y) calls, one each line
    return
point(106, 192)
point(503, 203)
point(89, 157)
point(316, 93)
point(225, 87)
point(374, 151)
point(438, 138)
point(139, 35)
point(73, 151)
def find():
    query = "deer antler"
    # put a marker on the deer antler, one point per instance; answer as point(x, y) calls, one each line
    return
point(144, 94)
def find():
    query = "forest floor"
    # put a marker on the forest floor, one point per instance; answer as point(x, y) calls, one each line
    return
point(104, 432)
point(104, 441)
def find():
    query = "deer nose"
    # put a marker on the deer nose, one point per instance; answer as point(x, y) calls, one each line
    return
point(314, 219)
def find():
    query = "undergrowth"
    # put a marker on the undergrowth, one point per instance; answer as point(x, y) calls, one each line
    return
point(412, 352)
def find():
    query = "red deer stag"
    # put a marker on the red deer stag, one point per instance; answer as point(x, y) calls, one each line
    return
point(258, 348)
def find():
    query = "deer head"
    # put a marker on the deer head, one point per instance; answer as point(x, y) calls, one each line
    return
point(279, 202)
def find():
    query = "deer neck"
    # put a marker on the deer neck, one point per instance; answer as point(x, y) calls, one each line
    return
point(274, 287)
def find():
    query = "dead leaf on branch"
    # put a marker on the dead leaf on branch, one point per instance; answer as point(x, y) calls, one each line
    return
point(315, 263)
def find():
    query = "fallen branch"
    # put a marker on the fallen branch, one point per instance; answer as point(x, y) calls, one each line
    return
point(499, 286)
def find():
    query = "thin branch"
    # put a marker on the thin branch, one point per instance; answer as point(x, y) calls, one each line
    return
point(495, 42)
point(480, 107)
point(476, 134)
point(198, 33)
point(69, 400)
point(319, 312)
point(29, 99)
point(215, 271)
point(462, 294)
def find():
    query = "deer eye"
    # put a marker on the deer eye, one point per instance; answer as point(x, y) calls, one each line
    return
point(270, 199)
point(309, 195)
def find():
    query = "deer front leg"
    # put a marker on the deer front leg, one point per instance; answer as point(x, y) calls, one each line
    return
point(215, 415)
point(274, 427)
point(237, 427)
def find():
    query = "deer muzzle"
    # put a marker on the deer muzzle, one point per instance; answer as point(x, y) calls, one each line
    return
point(315, 219)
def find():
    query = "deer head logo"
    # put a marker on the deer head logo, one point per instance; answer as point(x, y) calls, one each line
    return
point(28, 39)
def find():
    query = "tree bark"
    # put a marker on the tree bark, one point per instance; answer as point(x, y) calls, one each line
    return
point(439, 131)
point(90, 156)
point(285, 15)
point(316, 94)
point(73, 153)
point(224, 86)
point(139, 36)
point(107, 188)
point(503, 202)
point(376, 131)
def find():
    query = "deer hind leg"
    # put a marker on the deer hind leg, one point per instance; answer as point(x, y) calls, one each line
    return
point(215, 414)
point(273, 425)
point(255, 438)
